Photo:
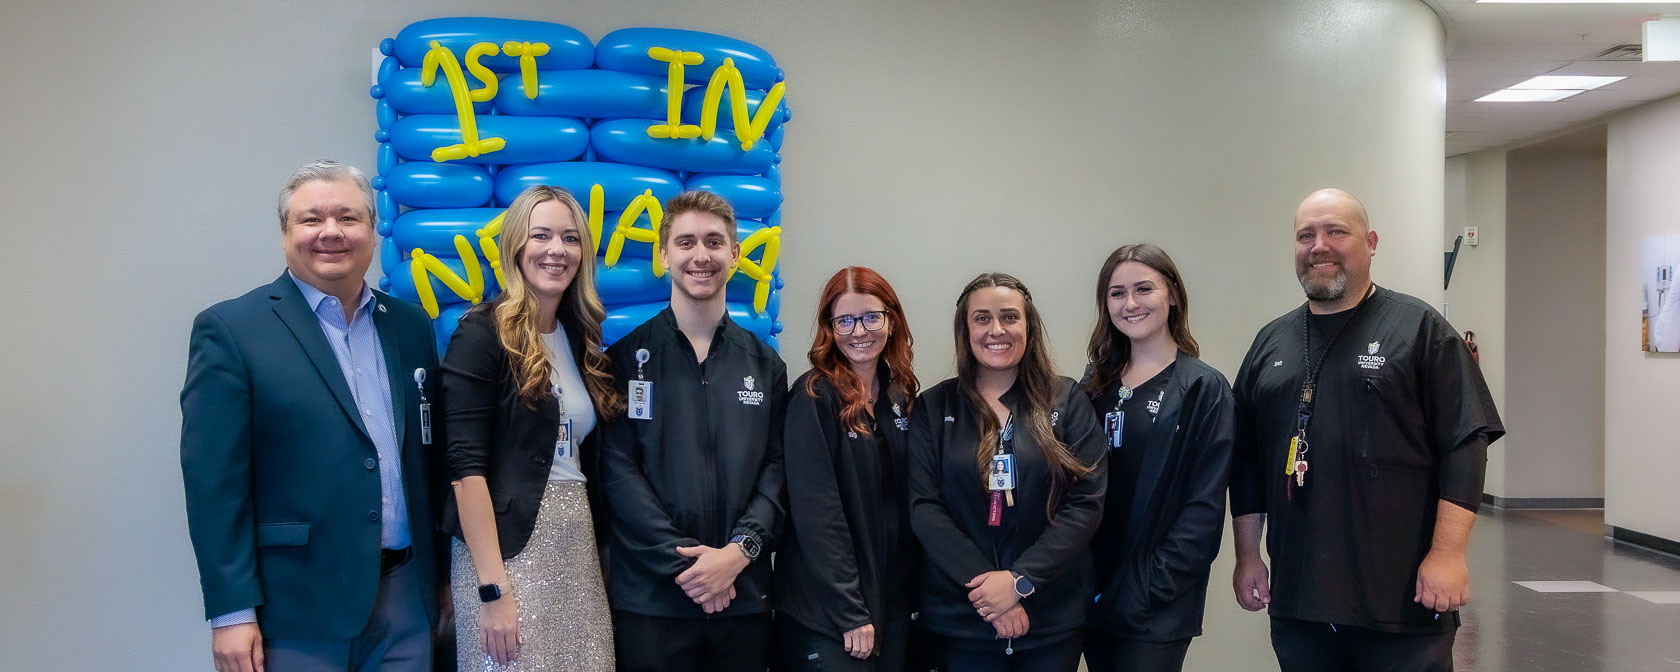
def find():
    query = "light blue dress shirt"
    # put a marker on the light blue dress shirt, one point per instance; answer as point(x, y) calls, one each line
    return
point(362, 361)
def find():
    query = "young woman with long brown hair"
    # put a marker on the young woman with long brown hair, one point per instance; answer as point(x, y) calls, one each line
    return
point(524, 383)
point(1006, 489)
point(846, 572)
point(1168, 429)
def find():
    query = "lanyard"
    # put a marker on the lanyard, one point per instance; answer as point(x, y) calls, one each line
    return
point(1295, 464)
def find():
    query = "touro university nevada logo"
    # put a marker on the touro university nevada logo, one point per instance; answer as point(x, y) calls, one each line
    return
point(749, 396)
point(1371, 360)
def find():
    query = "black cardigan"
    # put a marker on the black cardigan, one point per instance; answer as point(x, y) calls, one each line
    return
point(949, 504)
point(494, 434)
point(848, 557)
point(1178, 510)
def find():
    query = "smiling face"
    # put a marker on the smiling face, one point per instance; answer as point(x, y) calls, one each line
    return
point(700, 253)
point(997, 327)
point(549, 260)
point(328, 237)
point(1139, 301)
point(862, 347)
point(1333, 246)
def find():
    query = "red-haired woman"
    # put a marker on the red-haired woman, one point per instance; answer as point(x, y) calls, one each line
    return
point(846, 573)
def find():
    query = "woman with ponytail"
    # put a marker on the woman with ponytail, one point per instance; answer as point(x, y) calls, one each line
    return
point(524, 384)
point(1006, 489)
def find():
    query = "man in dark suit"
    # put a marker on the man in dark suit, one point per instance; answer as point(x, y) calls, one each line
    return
point(304, 446)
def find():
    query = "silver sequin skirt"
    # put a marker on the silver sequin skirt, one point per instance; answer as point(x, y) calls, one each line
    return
point(564, 622)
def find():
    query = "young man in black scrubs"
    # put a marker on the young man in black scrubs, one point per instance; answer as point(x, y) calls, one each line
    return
point(1362, 432)
point(694, 474)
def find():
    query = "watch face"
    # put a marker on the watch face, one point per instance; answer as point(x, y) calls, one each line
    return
point(489, 592)
point(1023, 587)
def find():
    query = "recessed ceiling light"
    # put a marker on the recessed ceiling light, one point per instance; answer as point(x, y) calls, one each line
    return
point(1571, 82)
point(1526, 96)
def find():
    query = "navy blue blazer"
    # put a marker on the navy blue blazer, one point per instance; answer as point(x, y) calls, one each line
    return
point(282, 478)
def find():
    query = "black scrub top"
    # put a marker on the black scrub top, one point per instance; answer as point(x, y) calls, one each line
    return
point(1125, 463)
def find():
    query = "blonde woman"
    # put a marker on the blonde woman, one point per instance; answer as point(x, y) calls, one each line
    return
point(524, 385)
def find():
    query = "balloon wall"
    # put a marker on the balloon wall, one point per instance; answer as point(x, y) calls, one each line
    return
point(472, 111)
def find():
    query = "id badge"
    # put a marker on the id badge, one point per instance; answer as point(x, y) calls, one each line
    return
point(1114, 423)
point(426, 424)
point(564, 448)
point(641, 400)
point(1003, 473)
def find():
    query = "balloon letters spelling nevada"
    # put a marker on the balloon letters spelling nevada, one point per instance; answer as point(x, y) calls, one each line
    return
point(472, 111)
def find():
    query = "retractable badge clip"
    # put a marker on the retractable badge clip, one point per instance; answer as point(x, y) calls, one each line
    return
point(425, 408)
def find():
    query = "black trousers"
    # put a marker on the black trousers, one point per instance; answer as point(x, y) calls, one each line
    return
point(1108, 652)
point(1306, 646)
point(657, 644)
point(1062, 656)
point(801, 649)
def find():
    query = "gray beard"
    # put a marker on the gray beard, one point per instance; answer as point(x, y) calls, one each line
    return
point(1330, 291)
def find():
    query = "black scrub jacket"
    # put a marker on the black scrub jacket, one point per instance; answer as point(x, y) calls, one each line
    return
point(949, 506)
point(705, 467)
point(1402, 419)
point(1178, 510)
point(848, 558)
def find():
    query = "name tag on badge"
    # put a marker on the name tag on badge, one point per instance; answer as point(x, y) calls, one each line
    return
point(1114, 424)
point(641, 400)
point(564, 448)
point(426, 424)
point(1003, 473)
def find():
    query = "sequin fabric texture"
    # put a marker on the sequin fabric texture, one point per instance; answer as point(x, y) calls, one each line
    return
point(564, 623)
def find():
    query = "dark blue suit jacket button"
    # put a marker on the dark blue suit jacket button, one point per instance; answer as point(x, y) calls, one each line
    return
point(370, 463)
point(373, 516)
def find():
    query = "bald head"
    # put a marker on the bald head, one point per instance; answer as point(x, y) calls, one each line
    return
point(1334, 244)
point(1333, 201)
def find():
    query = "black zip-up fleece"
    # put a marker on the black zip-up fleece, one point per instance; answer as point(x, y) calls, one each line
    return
point(706, 467)
point(949, 505)
point(849, 558)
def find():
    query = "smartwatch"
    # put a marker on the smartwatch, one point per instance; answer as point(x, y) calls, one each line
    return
point(490, 592)
point(1023, 586)
point(749, 545)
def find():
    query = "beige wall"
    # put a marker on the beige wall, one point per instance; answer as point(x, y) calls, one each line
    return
point(1642, 390)
point(1475, 196)
point(931, 140)
point(1555, 384)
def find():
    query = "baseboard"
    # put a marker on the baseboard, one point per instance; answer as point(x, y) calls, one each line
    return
point(1542, 502)
point(1643, 540)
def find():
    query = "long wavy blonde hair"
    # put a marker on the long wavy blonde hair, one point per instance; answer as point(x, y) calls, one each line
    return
point(580, 309)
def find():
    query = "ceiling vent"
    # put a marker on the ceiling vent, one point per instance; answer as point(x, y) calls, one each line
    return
point(1621, 52)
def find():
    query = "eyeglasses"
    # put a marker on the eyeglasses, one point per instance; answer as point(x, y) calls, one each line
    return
point(844, 325)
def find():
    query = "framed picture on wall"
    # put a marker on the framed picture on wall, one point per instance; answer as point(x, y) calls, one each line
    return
point(1661, 305)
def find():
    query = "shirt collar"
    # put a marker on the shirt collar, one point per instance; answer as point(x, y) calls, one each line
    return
point(314, 297)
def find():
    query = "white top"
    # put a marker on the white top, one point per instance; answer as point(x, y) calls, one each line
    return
point(574, 403)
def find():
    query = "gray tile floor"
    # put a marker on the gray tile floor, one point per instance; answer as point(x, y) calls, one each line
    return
point(1509, 627)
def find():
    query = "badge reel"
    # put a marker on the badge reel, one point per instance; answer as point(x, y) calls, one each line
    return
point(425, 408)
point(640, 393)
point(563, 445)
point(1001, 479)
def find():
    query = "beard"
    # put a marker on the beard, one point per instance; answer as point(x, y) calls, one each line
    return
point(1324, 290)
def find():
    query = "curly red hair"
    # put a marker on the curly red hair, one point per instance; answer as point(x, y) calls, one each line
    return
point(829, 364)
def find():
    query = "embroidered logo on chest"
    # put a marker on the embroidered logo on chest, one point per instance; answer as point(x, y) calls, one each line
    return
point(1372, 360)
point(749, 397)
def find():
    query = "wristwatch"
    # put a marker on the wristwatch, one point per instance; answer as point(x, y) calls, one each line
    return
point(1023, 586)
point(490, 592)
point(749, 545)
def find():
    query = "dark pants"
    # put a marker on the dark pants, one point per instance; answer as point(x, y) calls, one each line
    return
point(801, 649)
point(1305, 646)
point(657, 644)
point(1062, 656)
point(1108, 652)
point(397, 638)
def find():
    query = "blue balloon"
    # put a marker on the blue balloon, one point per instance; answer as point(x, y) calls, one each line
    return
point(751, 195)
point(630, 282)
point(449, 317)
point(568, 48)
point(407, 95)
point(402, 281)
point(621, 320)
point(426, 184)
point(620, 182)
point(390, 257)
point(632, 249)
point(694, 103)
point(626, 49)
point(627, 141)
point(434, 230)
point(529, 139)
point(591, 94)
